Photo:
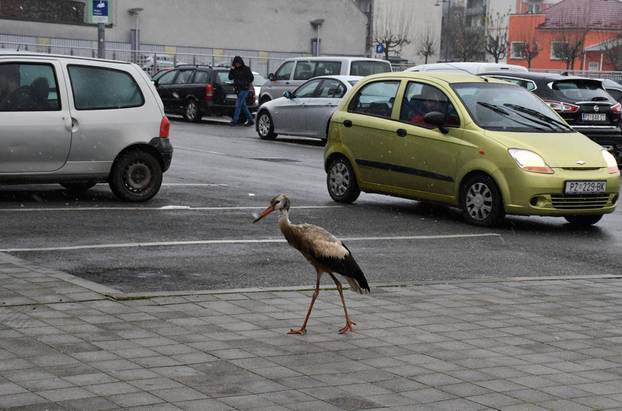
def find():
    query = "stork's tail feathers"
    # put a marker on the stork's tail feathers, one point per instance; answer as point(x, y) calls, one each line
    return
point(354, 285)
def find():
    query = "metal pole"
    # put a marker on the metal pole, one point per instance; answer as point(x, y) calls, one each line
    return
point(101, 40)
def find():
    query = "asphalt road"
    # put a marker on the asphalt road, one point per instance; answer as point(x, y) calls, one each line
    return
point(197, 233)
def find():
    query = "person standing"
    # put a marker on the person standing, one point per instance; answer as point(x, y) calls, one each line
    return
point(242, 81)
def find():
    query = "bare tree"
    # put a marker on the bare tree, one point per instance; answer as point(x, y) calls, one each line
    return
point(531, 51)
point(612, 49)
point(463, 42)
point(392, 28)
point(497, 35)
point(427, 44)
point(570, 45)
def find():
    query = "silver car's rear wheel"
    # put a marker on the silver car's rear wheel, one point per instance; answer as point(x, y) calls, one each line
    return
point(136, 176)
point(265, 127)
point(341, 181)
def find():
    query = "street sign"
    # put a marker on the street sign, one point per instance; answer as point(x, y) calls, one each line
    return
point(380, 48)
point(100, 11)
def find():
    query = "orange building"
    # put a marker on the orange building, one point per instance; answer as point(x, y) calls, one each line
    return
point(572, 34)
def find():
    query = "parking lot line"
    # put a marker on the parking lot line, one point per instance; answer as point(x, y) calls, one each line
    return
point(240, 241)
point(163, 208)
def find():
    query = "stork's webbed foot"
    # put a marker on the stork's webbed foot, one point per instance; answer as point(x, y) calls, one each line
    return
point(347, 327)
point(299, 331)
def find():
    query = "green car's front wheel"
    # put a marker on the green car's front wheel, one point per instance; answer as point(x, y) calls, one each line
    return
point(480, 200)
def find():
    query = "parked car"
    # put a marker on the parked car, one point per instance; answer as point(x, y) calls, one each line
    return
point(295, 71)
point(613, 88)
point(196, 91)
point(258, 81)
point(161, 62)
point(468, 67)
point(306, 111)
point(582, 102)
point(483, 145)
point(78, 121)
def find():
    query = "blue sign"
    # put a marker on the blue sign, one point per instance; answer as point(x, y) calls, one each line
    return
point(100, 11)
point(379, 48)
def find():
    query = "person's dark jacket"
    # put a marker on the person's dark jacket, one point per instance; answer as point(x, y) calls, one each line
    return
point(242, 76)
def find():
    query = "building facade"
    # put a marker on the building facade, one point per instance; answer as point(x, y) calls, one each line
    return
point(569, 35)
point(259, 29)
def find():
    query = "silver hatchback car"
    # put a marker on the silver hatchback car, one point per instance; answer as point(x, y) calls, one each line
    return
point(78, 121)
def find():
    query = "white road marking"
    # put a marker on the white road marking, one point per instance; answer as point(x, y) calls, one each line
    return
point(163, 208)
point(194, 185)
point(248, 241)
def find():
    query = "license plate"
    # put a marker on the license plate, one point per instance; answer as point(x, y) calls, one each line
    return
point(594, 116)
point(231, 96)
point(585, 187)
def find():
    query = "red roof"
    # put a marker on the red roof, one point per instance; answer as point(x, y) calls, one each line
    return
point(592, 14)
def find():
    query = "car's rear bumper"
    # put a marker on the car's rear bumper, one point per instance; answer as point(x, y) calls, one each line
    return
point(165, 148)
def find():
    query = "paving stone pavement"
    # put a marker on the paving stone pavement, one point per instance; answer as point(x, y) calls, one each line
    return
point(513, 345)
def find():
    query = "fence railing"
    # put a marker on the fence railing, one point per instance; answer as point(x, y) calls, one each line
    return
point(153, 60)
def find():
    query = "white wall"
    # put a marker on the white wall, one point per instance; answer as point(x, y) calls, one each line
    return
point(423, 14)
point(271, 25)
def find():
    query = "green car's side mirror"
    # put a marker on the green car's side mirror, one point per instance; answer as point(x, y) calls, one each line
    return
point(438, 119)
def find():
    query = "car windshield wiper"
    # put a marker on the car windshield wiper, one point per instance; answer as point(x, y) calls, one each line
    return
point(538, 115)
point(501, 110)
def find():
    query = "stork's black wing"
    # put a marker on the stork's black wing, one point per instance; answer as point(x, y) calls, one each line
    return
point(346, 266)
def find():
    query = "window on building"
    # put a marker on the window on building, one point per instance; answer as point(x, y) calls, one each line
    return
point(54, 11)
point(98, 88)
point(519, 49)
point(559, 50)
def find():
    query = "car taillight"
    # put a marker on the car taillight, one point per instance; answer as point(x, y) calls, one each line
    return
point(209, 92)
point(165, 127)
point(616, 109)
point(562, 107)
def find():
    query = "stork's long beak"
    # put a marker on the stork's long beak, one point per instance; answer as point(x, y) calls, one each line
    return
point(263, 214)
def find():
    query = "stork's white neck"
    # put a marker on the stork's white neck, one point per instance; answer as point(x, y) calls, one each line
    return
point(284, 218)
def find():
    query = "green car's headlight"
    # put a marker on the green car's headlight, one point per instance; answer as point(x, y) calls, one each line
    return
point(612, 164)
point(530, 161)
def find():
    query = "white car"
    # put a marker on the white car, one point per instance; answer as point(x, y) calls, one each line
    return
point(469, 67)
point(306, 111)
point(78, 121)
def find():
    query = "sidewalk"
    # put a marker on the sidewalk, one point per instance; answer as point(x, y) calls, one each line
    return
point(512, 345)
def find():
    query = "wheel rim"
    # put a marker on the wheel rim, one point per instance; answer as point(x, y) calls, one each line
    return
point(339, 179)
point(479, 202)
point(137, 177)
point(191, 110)
point(263, 125)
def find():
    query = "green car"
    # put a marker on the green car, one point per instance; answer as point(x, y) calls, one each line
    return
point(484, 145)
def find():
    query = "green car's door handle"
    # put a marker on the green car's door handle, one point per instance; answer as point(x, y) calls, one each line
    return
point(401, 132)
point(347, 123)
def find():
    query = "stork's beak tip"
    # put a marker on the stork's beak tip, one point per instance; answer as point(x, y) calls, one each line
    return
point(262, 214)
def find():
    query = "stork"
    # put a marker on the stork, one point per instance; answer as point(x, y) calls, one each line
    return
point(324, 251)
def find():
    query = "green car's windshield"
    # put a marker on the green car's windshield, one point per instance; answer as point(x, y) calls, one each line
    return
point(506, 107)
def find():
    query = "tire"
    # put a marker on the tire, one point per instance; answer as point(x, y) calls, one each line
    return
point(265, 126)
point(481, 202)
point(136, 176)
point(79, 187)
point(583, 220)
point(341, 181)
point(192, 112)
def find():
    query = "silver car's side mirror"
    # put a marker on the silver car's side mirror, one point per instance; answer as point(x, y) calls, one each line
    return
point(288, 94)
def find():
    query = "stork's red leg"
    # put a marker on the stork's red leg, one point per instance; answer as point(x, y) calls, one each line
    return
point(349, 322)
point(302, 330)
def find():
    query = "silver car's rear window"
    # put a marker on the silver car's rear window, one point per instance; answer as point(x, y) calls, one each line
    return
point(101, 88)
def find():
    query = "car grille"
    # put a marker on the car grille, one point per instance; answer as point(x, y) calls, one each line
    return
point(575, 202)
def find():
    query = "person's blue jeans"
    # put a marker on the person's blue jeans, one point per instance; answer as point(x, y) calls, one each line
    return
point(240, 104)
